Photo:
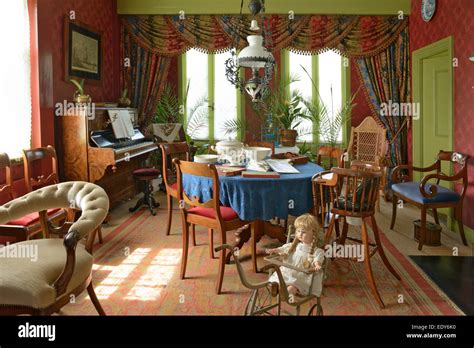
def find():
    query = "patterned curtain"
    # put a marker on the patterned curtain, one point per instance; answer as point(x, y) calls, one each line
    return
point(351, 36)
point(143, 77)
point(386, 78)
point(380, 43)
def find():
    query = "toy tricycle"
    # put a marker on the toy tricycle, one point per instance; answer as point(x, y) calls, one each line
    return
point(266, 297)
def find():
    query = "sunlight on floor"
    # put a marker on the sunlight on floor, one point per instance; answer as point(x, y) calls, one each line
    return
point(157, 276)
point(119, 273)
point(149, 286)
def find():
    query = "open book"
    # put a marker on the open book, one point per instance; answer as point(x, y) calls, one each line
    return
point(282, 166)
point(121, 123)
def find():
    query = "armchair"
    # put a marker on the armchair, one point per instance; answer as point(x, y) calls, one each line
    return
point(61, 268)
point(426, 195)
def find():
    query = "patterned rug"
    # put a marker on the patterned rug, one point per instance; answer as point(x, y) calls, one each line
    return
point(136, 272)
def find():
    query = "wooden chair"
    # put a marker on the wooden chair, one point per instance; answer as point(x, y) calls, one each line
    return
point(209, 214)
point(170, 151)
point(426, 195)
point(368, 144)
point(320, 202)
point(268, 144)
point(42, 282)
point(335, 155)
point(37, 155)
point(33, 159)
point(26, 226)
point(353, 194)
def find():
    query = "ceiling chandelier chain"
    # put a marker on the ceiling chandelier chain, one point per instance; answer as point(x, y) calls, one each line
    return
point(255, 56)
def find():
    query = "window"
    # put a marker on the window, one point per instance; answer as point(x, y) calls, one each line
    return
point(303, 86)
point(326, 71)
point(15, 93)
point(197, 77)
point(206, 77)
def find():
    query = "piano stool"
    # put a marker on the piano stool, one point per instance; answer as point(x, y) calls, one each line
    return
point(145, 176)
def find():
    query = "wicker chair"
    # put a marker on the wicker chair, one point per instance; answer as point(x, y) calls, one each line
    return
point(368, 145)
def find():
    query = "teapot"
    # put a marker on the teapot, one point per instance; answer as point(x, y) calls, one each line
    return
point(230, 150)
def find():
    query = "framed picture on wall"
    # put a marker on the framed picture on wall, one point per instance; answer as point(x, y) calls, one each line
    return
point(82, 51)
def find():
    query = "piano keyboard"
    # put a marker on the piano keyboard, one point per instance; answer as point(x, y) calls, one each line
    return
point(123, 153)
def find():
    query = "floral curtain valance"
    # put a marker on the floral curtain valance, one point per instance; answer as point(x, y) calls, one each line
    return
point(351, 36)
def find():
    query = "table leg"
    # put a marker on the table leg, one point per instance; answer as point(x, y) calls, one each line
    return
point(255, 231)
point(274, 231)
point(258, 228)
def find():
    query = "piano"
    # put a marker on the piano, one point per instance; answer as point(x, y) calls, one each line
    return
point(123, 149)
point(89, 151)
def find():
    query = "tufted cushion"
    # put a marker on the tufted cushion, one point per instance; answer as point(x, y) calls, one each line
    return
point(411, 190)
point(30, 218)
point(29, 282)
point(90, 198)
point(227, 213)
point(146, 172)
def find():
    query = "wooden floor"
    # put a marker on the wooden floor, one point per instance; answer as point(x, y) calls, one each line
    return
point(401, 236)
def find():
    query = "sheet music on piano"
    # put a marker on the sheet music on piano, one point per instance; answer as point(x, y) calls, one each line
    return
point(121, 124)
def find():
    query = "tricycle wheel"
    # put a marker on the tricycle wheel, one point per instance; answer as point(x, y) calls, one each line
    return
point(260, 302)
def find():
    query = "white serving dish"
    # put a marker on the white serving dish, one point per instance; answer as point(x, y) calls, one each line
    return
point(257, 154)
point(230, 150)
point(207, 159)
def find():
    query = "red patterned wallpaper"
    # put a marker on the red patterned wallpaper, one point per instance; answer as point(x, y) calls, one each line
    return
point(454, 18)
point(100, 15)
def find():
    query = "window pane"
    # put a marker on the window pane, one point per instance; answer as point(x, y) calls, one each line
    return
point(330, 84)
point(15, 93)
point(303, 86)
point(196, 107)
point(225, 98)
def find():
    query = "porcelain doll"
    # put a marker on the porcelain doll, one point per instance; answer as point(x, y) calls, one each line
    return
point(303, 253)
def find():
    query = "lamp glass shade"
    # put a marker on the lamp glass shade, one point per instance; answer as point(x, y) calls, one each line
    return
point(255, 55)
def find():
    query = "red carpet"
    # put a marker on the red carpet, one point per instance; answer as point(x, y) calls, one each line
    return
point(137, 273)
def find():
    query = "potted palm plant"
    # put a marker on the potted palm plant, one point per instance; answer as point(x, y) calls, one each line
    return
point(170, 111)
point(328, 122)
point(289, 115)
point(287, 111)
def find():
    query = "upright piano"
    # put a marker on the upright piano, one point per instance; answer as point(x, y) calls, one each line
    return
point(89, 151)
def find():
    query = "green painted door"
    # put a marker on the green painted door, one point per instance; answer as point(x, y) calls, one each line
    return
point(435, 105)
point(433, 89)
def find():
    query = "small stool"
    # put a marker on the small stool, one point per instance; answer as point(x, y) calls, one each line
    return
point(145, 176)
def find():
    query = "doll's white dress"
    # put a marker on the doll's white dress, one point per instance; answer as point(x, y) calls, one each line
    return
point(301, 280)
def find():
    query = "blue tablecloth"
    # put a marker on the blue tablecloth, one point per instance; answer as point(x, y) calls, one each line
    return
point(257, 198)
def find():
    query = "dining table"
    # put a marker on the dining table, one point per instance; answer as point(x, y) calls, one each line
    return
point(259, 200)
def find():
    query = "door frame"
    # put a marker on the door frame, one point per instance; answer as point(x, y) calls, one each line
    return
point(444, 45)
point(436, 48)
